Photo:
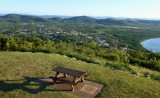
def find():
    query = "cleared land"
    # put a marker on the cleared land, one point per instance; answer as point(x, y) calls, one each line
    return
point(19, 69)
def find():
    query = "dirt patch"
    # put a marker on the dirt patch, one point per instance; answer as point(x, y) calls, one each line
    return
point(86, 89)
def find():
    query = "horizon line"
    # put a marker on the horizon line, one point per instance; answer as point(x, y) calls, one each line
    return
point(80, 15)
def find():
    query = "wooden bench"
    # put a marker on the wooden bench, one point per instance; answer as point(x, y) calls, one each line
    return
point(78, 75)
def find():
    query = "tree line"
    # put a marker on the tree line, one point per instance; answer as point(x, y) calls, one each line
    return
point(88, 51)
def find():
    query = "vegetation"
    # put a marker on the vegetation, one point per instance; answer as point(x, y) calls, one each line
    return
point(117, 33)
point(28, 67)
point(108, 43)
point(87, 51)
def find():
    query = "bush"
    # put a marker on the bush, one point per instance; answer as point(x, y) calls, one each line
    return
point(77, 56)
point(119, 66)
point(146, 74)
point(155, 77)
point(112, 57)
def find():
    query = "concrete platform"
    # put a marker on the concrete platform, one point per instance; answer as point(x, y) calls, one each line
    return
point(86, 89)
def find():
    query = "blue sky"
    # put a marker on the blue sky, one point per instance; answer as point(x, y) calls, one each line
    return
point(115, 8)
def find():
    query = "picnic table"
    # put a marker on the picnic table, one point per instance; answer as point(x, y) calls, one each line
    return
point(78, 75)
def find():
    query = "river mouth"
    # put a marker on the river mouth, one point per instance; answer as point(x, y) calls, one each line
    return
point(152, 44)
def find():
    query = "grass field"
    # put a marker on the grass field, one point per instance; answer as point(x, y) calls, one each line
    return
point(19, 69)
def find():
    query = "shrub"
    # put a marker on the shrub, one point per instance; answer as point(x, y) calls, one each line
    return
point(112, 57)
point(119, 66)
point(146, 74)
point(155, 77)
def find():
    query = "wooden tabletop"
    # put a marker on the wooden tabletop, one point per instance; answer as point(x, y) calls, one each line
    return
point(69, 71)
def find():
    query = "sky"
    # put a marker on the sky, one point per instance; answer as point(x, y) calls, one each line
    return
point(113, 8)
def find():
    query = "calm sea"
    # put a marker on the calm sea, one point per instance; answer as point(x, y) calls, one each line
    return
point(152, 44)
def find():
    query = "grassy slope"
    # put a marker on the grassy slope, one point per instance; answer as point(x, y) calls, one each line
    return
point(25, 67)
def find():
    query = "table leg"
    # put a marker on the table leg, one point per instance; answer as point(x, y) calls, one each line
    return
point(74, 80)
point(72, 87)
point(56, 76)
point(54, 81)
point(74, 83)
point(82, 79)
point(65, 75)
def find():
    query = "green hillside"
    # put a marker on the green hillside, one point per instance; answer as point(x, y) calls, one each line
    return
point(81, 19)
point(15, 18)
point(19, 69)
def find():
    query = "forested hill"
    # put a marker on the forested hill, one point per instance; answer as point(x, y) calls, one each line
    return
point(82, 19)
point(14, 18)
point(110, 21)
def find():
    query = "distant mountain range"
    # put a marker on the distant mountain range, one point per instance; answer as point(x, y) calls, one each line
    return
point(96, 17)
point(14, 18)
point(54, 16)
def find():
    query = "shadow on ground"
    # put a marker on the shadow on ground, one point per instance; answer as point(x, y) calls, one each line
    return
point(86, 89)
point(22, 84)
